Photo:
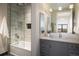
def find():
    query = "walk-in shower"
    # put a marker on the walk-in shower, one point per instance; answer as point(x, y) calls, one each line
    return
point(20, 29)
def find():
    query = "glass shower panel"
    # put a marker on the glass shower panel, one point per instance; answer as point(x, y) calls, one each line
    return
point(20, 28)
point(17, 24)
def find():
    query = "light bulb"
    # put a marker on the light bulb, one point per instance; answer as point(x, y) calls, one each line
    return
point(50, 10)
point(71, 6)
point(59, 8)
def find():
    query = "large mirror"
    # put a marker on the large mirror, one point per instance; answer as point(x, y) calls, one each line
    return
point(57, 18)
point(61, 18)
point(62, 22)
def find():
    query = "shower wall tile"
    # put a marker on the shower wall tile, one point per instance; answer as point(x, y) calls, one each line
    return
point(27, 20)
point(17, 23)
point(19, 19)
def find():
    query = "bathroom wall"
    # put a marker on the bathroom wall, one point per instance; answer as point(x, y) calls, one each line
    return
point(76, 18)
point(53, 20)
point(3, 13)
point(36, 9)
point(27, 21)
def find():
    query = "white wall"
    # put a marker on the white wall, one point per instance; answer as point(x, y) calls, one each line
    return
point(53, 19)
point(70, 23)
point(27, 21)
point(3, 13)
point(35, 31)
point(76, 19)
point(36, 9)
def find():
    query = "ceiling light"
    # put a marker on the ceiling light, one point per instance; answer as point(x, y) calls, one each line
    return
point(71, 6)
point(59, 8)
point(50, 10)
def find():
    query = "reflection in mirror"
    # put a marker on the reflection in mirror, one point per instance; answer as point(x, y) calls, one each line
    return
point(57, 18)
point(42, 22)
point(49, 24)
point(61, 20)
point(64, 22)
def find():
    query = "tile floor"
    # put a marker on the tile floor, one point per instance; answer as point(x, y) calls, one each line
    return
point(6, 54)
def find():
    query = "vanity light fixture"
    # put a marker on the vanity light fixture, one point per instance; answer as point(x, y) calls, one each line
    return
point(59, 8)
point(71, 6)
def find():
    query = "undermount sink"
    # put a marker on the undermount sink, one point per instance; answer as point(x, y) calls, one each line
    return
point(64, 36)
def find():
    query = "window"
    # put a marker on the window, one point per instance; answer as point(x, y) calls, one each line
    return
point(62, 28)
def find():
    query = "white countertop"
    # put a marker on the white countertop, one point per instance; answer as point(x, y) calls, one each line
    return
point(61, 39)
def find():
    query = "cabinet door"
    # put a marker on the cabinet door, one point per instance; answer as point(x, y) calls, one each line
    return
point(73, 50)
point(44, 47)
point(58, 49)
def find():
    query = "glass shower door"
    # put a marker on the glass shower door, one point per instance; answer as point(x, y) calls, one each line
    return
point(17, 24)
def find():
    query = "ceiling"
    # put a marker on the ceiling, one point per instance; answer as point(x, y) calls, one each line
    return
point(55, 6)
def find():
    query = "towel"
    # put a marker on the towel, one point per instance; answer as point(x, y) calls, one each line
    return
point(3, 36)
point(4, 28)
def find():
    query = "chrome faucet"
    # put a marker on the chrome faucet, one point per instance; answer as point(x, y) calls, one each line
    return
point(60, 35)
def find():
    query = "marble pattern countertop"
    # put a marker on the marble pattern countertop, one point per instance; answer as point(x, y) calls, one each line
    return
point(69, 40)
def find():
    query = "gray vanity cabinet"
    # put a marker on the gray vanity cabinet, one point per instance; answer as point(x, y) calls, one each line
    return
point(73, 49)
point(45, 48)
point(52, 48)
point(56, 48)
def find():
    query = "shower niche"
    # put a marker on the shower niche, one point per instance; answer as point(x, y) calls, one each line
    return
point(28, 26)
point(20, 34)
